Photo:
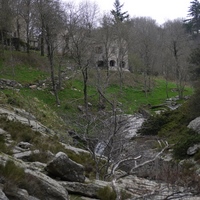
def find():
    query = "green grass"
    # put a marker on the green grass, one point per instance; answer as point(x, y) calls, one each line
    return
point(32, 68)
point(28, 69)
point(134, 97)
point(23, 68)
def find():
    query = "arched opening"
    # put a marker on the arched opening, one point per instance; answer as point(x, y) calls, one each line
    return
point(112, 63)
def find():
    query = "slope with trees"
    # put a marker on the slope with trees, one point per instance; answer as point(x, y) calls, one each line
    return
point(149, 46)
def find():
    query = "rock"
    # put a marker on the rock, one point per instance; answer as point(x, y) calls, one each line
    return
point(2, 195)
point(19, 115)
point(141, 188)
point(133, 123)
point(44, 187)
point(85, 189)
point(6, 83)
point(24, 145)
point(37, 166)
point(25, 114)
point(20, 194)
point(87, 198)
point(25, 155)
point(192, 150)
point(81, 108)
point(195, 125)
point(33, 86)
point(75, 149)
point(65, 169)
point(2, 132)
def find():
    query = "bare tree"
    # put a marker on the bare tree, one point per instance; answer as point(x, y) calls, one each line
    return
point(178, 46)
point(6, 17)
point(144, 48)
point(51, 18)
point(81, 21)
point(26, 12)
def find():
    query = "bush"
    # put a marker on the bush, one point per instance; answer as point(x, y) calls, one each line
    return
point(106, 193)
point(3, 147)
point(180, 149)
point(154, 124)
point(18, 131)
point(12, 175)
point(194, 105)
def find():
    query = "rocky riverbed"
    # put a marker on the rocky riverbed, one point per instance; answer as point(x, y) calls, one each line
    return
point(62, 177)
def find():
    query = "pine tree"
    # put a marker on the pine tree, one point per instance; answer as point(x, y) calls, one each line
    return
point(119, 16)
point(194, 13)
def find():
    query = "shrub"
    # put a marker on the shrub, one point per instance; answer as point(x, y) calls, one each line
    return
point(18, 131)
point(153, 125)
point(194, 105)
point(106, 193)
point(3, 147)
point(12, 175)
point(180, 149)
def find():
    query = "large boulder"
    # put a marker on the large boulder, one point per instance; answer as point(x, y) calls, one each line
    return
point(44, 187)
point(86, 189)
point(65, 169)
point(19, 194)
point(195, 125)
point(37, 184)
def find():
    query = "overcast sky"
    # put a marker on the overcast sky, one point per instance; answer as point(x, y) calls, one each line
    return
point(160, 10)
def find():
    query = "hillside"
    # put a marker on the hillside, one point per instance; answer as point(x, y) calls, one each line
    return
point(38, 138)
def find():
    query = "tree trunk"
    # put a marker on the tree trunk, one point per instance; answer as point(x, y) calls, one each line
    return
point(42, 41)
point(85, 79)
point(28, 39)
point(50, 57)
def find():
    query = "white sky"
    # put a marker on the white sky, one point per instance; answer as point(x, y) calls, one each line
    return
point(160, 10)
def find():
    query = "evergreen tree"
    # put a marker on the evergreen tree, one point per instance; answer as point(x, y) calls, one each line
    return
point(194, 13)
point(119, 16)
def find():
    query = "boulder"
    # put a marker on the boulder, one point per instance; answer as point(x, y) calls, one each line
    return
point(2, 132)
point(65, 169)
point(192, 150)
point(195, 125)
point(24, 145)
point(44, 187)
point(2, 195)
point(38, 184)
point(25, 155)
point(25, 118)
point(86, 189)
point(20, 194)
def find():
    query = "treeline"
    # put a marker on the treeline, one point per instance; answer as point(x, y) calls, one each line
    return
point(72, 31)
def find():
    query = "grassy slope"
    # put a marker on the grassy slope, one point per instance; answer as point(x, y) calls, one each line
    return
point(30, 69)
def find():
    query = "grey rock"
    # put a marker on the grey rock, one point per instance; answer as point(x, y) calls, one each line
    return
point(2, 195)
point(6, 83)
point(44, 187)
point(86, 189)
point(66, 169)
point(24, 145)
point(2, 132)
point(21, 194)
point(195, 125)
point(30, 121)
point(192, 150)
point(25, 155)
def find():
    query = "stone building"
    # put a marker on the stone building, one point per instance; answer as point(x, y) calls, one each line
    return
point(114, 57)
